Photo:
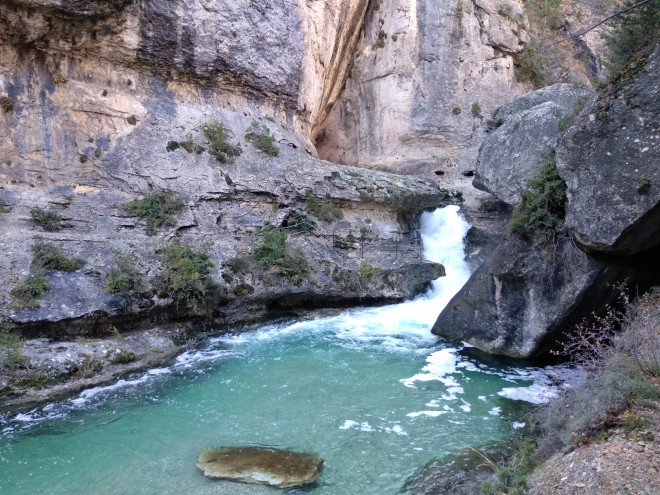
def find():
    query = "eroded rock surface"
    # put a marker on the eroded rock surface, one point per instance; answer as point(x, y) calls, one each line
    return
point(610, 161)
point(528, 131)
point(260, 466)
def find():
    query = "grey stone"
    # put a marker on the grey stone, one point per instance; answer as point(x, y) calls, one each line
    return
point(606, 160)
point(530, 126)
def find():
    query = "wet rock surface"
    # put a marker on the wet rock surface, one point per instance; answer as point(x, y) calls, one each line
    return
point(260, 465)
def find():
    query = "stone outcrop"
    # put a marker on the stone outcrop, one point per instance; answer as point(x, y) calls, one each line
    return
point(526, 295)
point(527, 133)
point(285, 60)
point(610, 161)
point(521, 300)
point(434, 58)
point(260, 466)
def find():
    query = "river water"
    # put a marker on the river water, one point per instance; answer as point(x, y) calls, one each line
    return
point(371, 391)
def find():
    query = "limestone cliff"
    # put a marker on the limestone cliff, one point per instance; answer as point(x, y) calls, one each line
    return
point(104, 102)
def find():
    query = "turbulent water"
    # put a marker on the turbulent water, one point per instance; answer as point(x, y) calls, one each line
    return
point(371, 391)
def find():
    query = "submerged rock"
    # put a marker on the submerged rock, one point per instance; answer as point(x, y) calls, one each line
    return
point(260, 466)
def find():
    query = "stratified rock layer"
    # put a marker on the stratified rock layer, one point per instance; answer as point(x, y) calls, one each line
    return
point(260, 466)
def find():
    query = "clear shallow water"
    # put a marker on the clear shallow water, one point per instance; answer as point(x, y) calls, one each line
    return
point(371, 391)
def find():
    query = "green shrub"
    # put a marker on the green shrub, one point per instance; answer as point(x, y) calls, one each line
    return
point(456, 110)
point(380, 42)
point(49, 257)
point(3, 206)
point(125, 279)
point(634, 33)
point(219, 146)
point(31, 288)
point(262, 139)
point(122, 356)
point(187, 275)
point(644, 185)
point(6, 103)
point(296, 222)
point(243, 290)
point(476, 109)
point(323, 209)
point(529, 67)
point(89, 367)
point(49, 220)
point(157, 208)
point(365, 270)
point(10, 347)
point(512, 477)
point(542, 207)
point(273, 254)
point(238, 264)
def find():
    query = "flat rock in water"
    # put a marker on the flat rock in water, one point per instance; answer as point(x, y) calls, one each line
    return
point(260, 465)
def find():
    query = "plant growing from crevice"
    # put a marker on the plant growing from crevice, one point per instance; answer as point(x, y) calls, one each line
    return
point(48, 220)
point(27, 293)
point(273, 253)
point(365, 271)
point(380, 42)
point(541, 209)
point(125, 278)
point(323, 209)
point(512, 476)
point(10, 346)
point(187, 276)
point(49, 257)
point(261, 137)
point(6, 103)
point(298, 223)
point(158, 208)
point(456, 110)
point(476, 110)
point(3, 206)
point(644, 186)
point(219, 145)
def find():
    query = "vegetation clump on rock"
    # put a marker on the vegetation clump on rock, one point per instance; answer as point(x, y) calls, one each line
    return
point(541, 210)
point(125, 279)
point(158, 208)
point(323, 209)
point(187, 275)
point(275, 255)
point(49, 220)
point(27, 293)
point(219, 145)
point(49, 257)
point(261, 137)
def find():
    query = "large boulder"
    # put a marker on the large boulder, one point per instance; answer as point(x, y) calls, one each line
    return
point(260, 466)
point(529, 128)
point(521, 300)
point(610, 161)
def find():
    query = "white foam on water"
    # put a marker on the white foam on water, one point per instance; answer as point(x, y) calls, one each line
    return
point(432, 414)
point(349, 423)
point(517, 426)
point(496, 411)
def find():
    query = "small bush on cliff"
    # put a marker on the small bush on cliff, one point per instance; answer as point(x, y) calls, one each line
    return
point(323, 209)
point(26, 294)
point(187, 275)
point(10, 346)
point(219, 145)
point(273, 254)
point(49, 220)
point(634, 34)
point(157, 208)
point(512, 476)
point(261, 137)
point(125, 279)
point(49, 257)
point(365, 271)
point(542, 207)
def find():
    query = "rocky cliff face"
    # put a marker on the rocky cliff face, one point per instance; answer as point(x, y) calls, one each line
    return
point(526, 295)
point(104, 102)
